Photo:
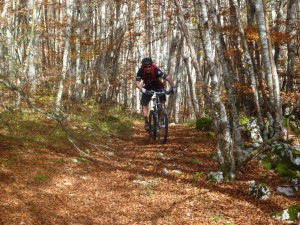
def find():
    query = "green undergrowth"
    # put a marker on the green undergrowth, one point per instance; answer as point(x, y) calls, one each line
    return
point(31, 129)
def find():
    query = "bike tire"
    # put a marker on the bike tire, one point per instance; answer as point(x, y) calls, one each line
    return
point(162, 131)
point(152, 126)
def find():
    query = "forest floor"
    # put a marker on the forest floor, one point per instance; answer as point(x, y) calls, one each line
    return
point(131, 181)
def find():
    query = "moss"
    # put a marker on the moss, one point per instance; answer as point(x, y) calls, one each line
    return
point(243, 120)
point(293, 211)
point(41, 177)
point(284, 171)
point(210, 134)
point(267, 164)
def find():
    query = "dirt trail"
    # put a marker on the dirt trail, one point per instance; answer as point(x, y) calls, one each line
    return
point(133, 182)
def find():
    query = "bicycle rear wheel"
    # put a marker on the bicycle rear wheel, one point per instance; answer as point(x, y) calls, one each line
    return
point(162, 134)
point(152, 126)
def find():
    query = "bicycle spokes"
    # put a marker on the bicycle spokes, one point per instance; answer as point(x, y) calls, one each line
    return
point(163, 127)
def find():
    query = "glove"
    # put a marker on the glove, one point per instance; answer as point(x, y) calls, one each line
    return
point(144, 90)
point(173, 90)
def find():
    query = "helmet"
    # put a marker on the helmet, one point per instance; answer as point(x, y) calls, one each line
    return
point(146, 61)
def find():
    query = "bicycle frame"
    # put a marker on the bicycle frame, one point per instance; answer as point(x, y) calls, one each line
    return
point(156, 100)
point(158, 118)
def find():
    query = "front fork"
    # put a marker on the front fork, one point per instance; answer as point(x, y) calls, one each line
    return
point(157, 122)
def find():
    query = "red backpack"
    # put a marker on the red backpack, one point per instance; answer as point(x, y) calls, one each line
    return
point(153, 67)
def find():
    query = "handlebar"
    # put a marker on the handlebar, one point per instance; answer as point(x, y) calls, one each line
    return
point(151, 92)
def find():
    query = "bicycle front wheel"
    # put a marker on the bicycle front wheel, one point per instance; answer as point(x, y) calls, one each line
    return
point(162, 133)
point(152, 126)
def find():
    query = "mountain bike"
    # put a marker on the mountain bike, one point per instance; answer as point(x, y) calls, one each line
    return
point(158, 118)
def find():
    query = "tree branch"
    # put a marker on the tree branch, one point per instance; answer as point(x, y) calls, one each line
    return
point(13, 87)
point(263, 147)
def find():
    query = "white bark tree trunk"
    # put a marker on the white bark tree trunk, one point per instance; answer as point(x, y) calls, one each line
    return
point(220, 47)
point(270, 71)
point(65, 60)
point(250, 69)
point(292, 45)
point(222, 126)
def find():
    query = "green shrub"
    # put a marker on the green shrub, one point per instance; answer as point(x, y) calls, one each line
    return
point(41, 177)
point(204, 124)
point(210, 134)
point(267, 164)
point(243, 120)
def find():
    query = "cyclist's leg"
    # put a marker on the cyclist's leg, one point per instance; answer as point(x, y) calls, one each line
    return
point(145, 112)
point(145, 102)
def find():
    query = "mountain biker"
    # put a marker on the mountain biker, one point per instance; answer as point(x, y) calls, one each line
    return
point(150, 77)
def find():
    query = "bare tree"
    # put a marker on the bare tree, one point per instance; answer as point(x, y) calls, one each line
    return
point(270, 72)
point(65, 60)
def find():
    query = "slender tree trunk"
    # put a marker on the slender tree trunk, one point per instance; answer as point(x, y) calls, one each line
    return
point(222, 126)
point(270, 71)
point(65, 60)
point(263, 37)
point(176, 47)
point(192, 88)
point(30, 67)
point(220, 47)
point(277, 28)
point(298, 30)
point(193, 54)
point(178, 79)
point(292, 49)
point(250, 68)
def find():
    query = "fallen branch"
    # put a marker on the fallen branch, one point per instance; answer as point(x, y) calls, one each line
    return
point(58, 117)
point(263, 147)
point(82, 152)
point(8, 126)
point(96, 146)
point(104, 146)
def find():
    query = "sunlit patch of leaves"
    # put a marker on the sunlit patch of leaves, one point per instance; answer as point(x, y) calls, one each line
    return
point(80, 160)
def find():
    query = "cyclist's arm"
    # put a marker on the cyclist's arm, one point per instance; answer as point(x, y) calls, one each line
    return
point(170, 81)
point(139, 84)
point(138, 80)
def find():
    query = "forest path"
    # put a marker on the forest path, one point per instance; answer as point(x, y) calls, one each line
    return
point(134, 181)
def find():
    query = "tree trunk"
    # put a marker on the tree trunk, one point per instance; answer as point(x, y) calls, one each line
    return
point(220, 47)
point(191, 87)
point(65, 60)
point(222, 126)
point(250, 69)
point(291, 46)
point(270, 71)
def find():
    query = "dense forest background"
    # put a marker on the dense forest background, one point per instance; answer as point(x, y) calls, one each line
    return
point(228, 58)
point(73, 149)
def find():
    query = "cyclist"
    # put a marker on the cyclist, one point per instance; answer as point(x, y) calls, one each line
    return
point(150, 77)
